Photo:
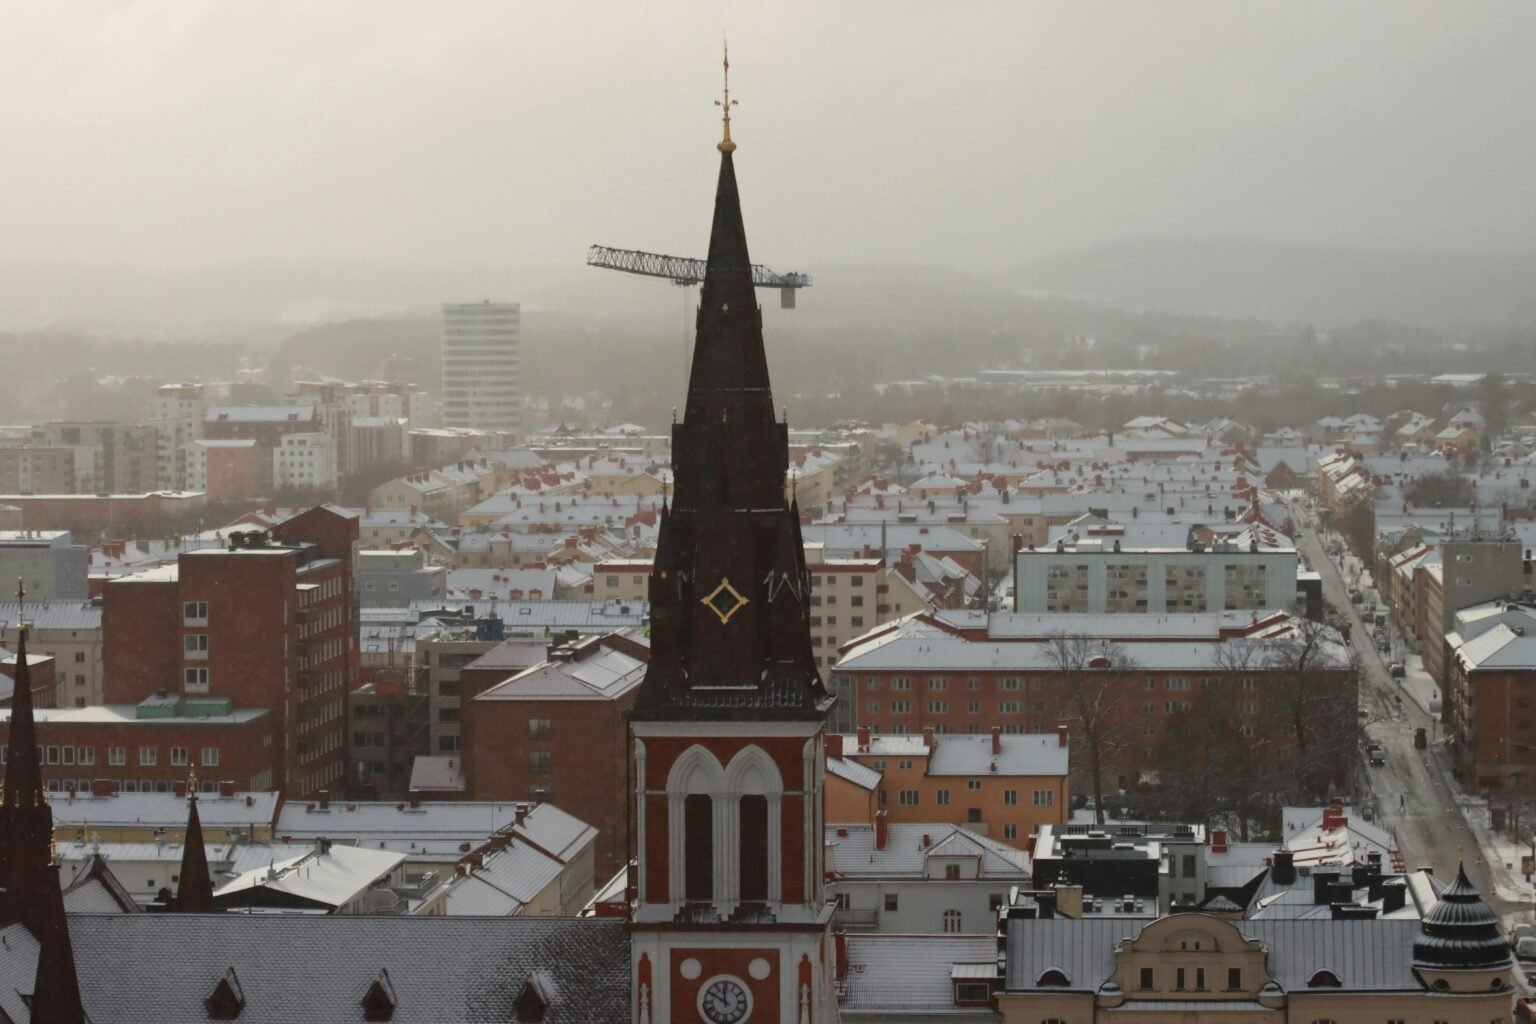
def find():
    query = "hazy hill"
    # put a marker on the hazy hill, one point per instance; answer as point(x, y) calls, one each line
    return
point(1289, 283)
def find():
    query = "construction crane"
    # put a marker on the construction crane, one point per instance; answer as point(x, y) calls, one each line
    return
point(685, 272)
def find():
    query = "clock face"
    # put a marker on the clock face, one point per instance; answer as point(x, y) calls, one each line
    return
point(724, 1000)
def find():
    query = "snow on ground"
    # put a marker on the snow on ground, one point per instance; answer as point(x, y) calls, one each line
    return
point(1420, 686)
point(1501, 852)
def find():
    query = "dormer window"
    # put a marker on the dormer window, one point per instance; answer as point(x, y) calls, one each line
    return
point(1323, 979)
point(1055, 977)
point(379, 1001)
point(227, 999)
point(532, 1003)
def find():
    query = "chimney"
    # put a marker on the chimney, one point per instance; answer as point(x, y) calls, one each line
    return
point(840, 941)
point(928, 736)
point(227, 787)
point(997, 740)
point(1283, 867)
point(1061, 734)
point(833, 744)
point(1333, 817)
point(863, 735)
point(520, 815)
point(325, 799)
point(1218, 840)
point(882, 830)
point(1322, 886)
point(1394, 895)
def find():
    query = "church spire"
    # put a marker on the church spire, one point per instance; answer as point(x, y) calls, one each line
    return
point(55, 989)
point(194, 894)
point(26, 820)
point(714, 634)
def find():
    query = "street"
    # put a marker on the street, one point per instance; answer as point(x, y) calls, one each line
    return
point(1413, 794)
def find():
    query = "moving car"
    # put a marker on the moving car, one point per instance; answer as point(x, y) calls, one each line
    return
point(1396, 670)
point(1375, 754)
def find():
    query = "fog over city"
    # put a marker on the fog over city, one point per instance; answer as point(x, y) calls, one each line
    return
point(176, 163)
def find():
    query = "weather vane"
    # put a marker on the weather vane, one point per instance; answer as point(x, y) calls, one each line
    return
point(725, 105)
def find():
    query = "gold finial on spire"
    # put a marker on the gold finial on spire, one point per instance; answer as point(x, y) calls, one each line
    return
point(192, 781)
point(21, 606)
point(725, 105)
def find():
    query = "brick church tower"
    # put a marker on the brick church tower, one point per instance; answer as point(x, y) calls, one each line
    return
point(730, 923)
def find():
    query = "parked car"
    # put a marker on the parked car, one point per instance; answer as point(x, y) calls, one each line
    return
point(1396, 670)
point(1521, 931)
point(1525, 949)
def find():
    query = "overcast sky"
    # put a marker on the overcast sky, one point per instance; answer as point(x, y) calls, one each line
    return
point(975, 135)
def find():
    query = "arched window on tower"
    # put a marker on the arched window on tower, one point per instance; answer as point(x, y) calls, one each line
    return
point(698, 848)
point(754, 849)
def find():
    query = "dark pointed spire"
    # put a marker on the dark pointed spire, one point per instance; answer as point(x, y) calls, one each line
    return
point(194, 893)
point(55, 989)
point(26, 820)
point(718, 645)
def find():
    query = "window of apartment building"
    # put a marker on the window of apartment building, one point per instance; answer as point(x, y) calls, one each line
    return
point(907, 798)
point(613, 581)
point(973, 784)
point(892, 904)
point(973, 815)
point(79, 657)
point(815, 621)
point(1189, 865)
point(882, 798)
point(1011, 797)
point(117, 755)
point(815, 600)
point(1010, 707)
point(179, 756)
point(855, 581)
point(815, 641)
point(51, 755)
point(538, 728)
point(856, 621)
point(951, 922)
point(831, 599)
point(901, 707)
point(1011, 683)
point(195, 679)
point(539, 762)
point(541, 792)
point(973, 707)
point(1149, 683)
point(938, 683)
point(1234, 978)
point(857, 600)
point(1178, 976)
point(448, 688)
point(938, 707)
point(1176, 683)
point(448, 716)
point(873, 707)
point(1146, 978)
point(195, 645)
point(871, 682)
point(879, 766)
point(1200, 979)
point(905, 764)
point(951, 872)
point(194, 613)
point(447, 744)
point(210, 757)
point(901, 683)
point(1044, 798)
point(1149, 729)
point(85, 755)
point(149, 756)
point(941, 797)
point(1010, 831)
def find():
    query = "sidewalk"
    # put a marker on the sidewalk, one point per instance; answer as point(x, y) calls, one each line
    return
point(1501, 853)
point(1419, 686)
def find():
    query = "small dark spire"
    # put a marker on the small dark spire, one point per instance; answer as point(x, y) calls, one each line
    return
point(194, 894)
point(26, 820)
point(56, 989)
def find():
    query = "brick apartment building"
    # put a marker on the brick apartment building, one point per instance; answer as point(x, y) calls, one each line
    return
point(1491, 694)
point(555, 733)
point(263, 628)
point(961, 672)
point(1003, 786)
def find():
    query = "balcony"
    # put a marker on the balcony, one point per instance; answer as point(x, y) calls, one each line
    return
point(855, 919)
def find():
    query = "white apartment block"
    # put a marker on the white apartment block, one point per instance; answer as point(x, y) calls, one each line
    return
point(480, 365)
point(176, 413)
point(1099, 576)
point(304, 460)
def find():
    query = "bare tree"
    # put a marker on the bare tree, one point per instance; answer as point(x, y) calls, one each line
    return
point(1356, 521)
point(1095, 699)
point(1215, 761)
point(1310, 699)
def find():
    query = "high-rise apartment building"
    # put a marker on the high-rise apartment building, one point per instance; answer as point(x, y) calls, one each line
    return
point(480, 372)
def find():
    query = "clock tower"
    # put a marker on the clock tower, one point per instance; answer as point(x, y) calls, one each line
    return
point(729, 918)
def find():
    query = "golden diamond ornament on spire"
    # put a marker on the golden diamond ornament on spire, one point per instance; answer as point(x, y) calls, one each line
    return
point(725, 105)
